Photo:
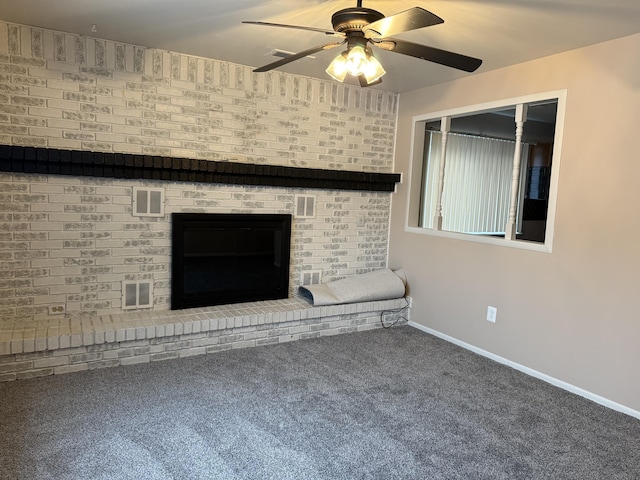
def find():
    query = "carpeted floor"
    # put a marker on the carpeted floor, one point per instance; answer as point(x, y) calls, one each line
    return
point(384, 404)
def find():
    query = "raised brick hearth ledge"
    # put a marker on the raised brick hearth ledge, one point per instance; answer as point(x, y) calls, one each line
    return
point(40, 349)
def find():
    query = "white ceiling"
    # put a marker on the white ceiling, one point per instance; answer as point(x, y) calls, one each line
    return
point(501, 32)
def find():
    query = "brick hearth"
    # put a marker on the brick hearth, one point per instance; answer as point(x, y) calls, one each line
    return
point(37, 349)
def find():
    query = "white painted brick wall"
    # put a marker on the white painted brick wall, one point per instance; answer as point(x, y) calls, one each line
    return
point(72, 240)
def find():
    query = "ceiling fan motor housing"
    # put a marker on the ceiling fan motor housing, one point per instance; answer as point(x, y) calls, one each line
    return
point(354, 19)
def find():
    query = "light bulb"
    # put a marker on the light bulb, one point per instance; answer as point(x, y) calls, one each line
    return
point(356, 61)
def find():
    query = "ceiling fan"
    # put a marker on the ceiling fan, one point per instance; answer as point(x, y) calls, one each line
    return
point(360, 28)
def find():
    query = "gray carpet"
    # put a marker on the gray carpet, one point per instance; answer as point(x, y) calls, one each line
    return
point(384, 404)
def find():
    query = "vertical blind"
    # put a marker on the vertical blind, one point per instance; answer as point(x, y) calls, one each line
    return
point(477, 182)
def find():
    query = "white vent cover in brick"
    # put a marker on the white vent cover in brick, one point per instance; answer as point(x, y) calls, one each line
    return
point(312, 277)
point(148, 202)
point(137, 295)
point(305, 206)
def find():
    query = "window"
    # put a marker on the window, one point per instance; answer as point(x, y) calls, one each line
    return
point(488, 173)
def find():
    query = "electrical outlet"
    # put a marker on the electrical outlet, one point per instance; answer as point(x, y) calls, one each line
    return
point(492, 313)
point(56, 309)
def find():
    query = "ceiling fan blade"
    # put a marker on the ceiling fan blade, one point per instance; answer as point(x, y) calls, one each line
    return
point(431, 54)
point(298, 56)
point(296, 27)
point(401, 22)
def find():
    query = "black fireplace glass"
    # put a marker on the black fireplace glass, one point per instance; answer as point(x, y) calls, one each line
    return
point(221, 258)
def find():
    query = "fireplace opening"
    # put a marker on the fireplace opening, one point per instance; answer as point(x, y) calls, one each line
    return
point(219, 258)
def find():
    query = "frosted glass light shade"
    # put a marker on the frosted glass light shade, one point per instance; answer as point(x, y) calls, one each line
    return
point(338, 67)
point(356, 61)
point(373, 70)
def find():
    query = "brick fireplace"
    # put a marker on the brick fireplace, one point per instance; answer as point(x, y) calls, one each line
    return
point(70, 244)
point(70, 241)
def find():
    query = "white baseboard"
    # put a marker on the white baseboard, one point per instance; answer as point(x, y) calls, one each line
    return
point(529, 371)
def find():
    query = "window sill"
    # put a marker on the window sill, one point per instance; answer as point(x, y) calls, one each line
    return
point(502, 242)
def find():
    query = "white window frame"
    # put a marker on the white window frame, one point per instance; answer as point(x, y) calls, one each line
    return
point(417, 160)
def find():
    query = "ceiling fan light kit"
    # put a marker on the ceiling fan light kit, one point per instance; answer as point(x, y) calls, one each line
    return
point(362, 27)
point(357, 61)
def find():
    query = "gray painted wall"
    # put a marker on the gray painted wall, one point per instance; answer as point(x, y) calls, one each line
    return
point(573, 314)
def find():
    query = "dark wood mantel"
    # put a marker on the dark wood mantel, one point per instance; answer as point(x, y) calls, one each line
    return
point(48, 161)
